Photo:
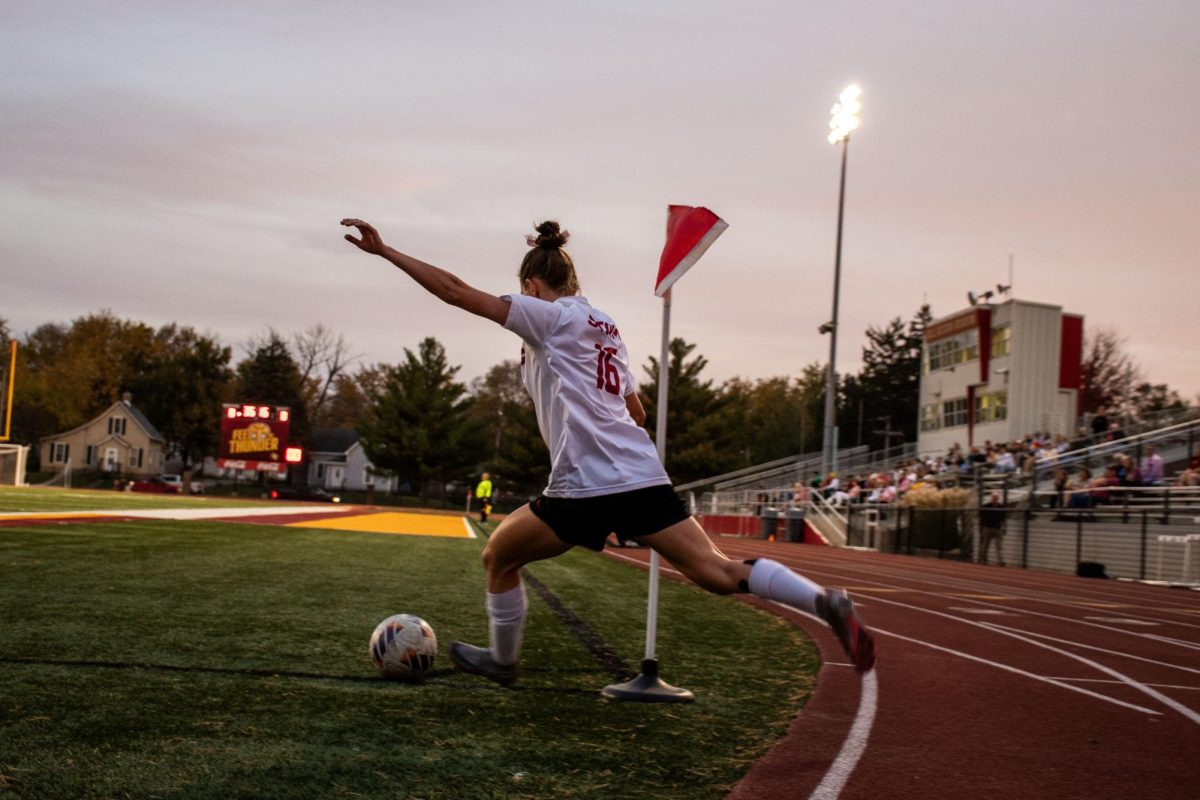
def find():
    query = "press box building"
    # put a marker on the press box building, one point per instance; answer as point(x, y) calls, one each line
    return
point(995, 372)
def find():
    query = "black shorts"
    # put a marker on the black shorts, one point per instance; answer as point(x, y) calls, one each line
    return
point(587, 521)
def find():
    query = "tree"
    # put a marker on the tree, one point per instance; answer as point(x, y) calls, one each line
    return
point(181, 392)
point(419, 428)
point(350, 401)
point(701, 439)
point(1107, 374)
point(270, 376)
point(887, 388)
point(322, 359)
point(771, 417)
point(1151, 398)
point(513, 451)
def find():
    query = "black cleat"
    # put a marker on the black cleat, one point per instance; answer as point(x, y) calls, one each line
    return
point(479, 661)
point(838, 611)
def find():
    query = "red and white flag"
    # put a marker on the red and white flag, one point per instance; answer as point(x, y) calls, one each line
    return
point(690, 231)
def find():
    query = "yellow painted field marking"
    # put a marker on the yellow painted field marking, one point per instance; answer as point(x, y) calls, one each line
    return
point(395, 522)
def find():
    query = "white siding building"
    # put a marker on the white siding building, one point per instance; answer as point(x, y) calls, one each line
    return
point(998, 372)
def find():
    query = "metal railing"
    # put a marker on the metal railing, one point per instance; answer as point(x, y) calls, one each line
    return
point(827, 519)
point(1100, 542)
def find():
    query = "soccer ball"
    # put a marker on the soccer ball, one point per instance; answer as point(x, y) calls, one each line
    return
point(403, 647)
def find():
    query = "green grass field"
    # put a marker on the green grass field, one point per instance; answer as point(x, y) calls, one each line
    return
point(166, 659)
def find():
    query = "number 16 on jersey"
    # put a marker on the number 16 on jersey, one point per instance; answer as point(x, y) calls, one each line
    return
point(607, 377)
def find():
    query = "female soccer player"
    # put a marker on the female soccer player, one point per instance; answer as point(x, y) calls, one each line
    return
point(605, 475)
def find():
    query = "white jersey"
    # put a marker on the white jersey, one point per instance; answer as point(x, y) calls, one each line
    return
point(576, 369)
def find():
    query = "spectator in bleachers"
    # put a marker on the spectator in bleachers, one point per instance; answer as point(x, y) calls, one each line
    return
point(1060, 487)
point(1004, 461)
point(1099, 425)
point(1191, 475)
point(1127, 471)
point(1080, 487)
point(1152, 467)
point(1102, 485)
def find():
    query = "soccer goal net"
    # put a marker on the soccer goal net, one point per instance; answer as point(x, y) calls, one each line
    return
point(12, 464)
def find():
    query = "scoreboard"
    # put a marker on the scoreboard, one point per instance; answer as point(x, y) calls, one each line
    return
point(255, 437)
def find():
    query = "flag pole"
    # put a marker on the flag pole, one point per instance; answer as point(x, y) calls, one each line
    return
point(647, 686)
point(660, 428)
point(690, 231)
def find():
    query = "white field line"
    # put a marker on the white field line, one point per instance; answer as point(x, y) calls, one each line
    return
point(186, 513)
point(216, 513)
point(1016, 670)
point(470, 529)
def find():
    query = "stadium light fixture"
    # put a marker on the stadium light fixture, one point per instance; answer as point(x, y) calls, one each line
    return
point(844, 114)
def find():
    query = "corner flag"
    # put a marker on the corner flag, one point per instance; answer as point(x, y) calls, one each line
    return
point(690, 231)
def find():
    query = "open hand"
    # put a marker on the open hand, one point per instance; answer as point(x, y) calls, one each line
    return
point(370, 241)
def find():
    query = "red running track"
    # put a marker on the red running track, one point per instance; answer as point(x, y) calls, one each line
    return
point(992, 683)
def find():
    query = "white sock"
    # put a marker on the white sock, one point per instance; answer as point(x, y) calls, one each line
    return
point(506, 622)
point(771, 580)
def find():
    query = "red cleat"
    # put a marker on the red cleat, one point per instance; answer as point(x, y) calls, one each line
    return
point(838, 611)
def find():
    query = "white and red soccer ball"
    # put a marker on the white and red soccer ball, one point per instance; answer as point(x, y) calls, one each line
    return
point(403, 647)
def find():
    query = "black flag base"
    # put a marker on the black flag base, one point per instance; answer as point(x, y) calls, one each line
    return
point(647, 688)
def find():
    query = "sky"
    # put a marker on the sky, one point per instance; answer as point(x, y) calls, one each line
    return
point(189, 162)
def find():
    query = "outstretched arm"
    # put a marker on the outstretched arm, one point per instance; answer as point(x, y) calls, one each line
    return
point(438, 282)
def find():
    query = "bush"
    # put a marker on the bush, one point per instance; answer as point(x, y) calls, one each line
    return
point(939, 519)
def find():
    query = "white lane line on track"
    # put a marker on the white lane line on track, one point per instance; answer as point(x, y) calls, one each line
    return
point(841, 578)
point(1110, 680)
point(1016, 670)
point(1003, 631)
point(1104, 650)
point(855, 744)
point(1050, 597)
point(1141, 687)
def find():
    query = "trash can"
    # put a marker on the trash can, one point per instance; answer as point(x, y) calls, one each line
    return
point(795, 525)
point(770, 520)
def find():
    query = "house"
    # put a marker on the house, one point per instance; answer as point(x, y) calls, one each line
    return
point(120, 440)
point(337, 461)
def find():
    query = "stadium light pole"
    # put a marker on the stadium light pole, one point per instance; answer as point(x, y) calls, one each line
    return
point(843, 120)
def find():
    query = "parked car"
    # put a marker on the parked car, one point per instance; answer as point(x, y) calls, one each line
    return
point(313, 494)
point(154, 486)
point(194, 487)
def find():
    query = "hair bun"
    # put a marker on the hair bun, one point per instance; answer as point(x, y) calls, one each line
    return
point(550, 236)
